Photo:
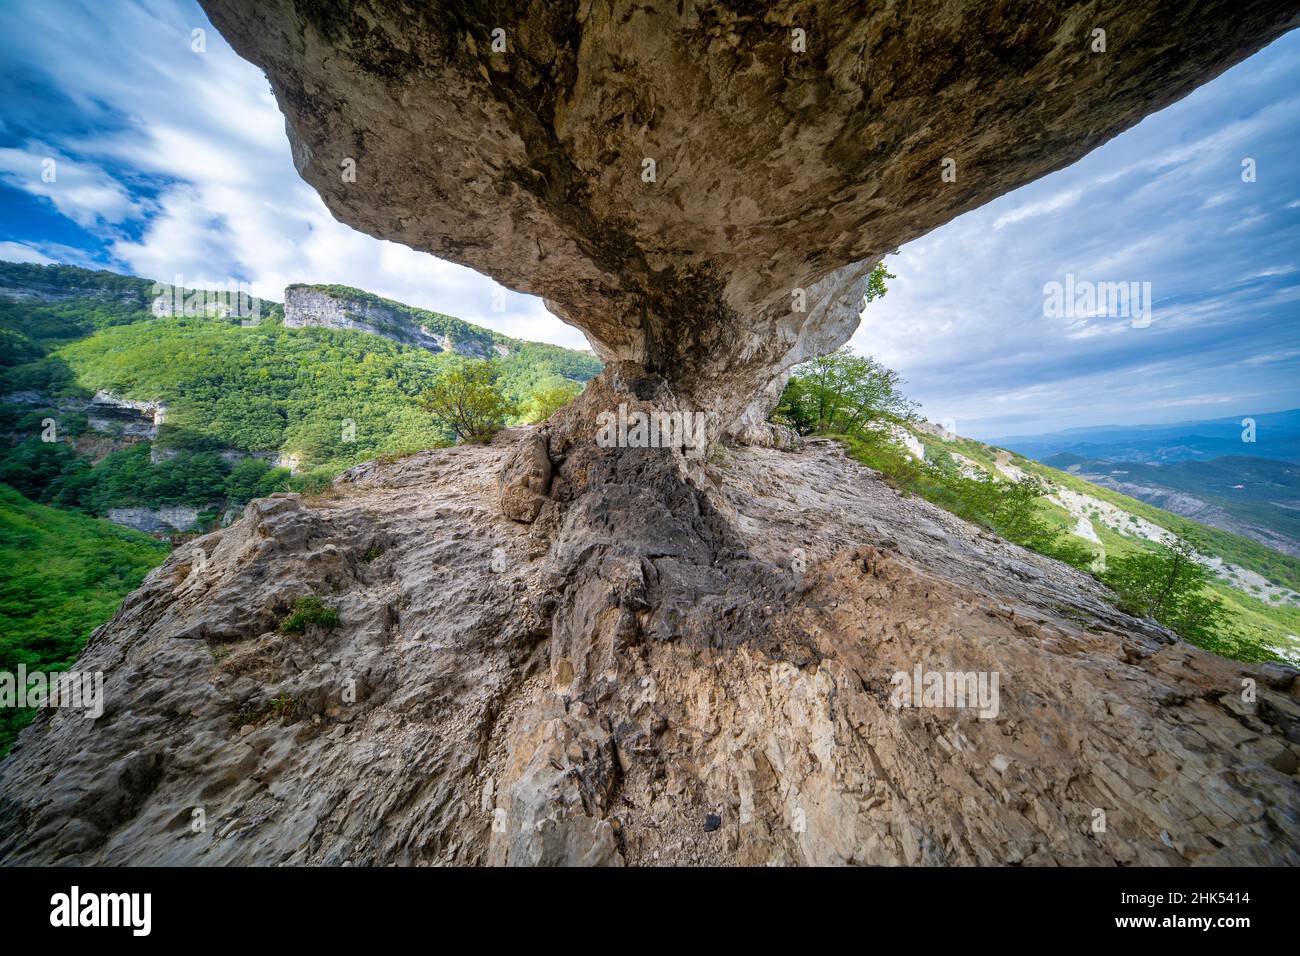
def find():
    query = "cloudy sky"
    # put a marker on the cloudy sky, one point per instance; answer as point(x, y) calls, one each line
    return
point(1163, 203)
point(174, 161)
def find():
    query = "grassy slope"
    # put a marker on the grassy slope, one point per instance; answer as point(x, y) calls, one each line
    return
point(1278, 568)
point(1264, 626)
point(61, 576)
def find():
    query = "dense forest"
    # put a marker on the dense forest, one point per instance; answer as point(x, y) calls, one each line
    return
point(61, 576)
point(320, 399)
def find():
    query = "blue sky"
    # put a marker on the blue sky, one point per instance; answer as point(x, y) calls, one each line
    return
point(171, 161)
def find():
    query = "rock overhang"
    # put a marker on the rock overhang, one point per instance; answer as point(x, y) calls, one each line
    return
point(667, 175)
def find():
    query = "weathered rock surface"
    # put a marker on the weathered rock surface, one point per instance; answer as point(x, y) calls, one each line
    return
point(164, 520)
point(554, 651)
point(136, 420)
point(591, 687)
point(322, 307)
point(519, 141)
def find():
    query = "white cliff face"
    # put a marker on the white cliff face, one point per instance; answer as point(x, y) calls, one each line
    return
point(306, 306)
point(116, 422)
point(138, 420)
point(163, 520)
point(901, 437)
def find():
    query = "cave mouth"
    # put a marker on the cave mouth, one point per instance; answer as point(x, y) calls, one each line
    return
point(704, 189)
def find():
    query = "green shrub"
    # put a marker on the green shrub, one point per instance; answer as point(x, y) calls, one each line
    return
point(284, 706)
point(548, 398)
point(1170, 586)
point(312, 482)
point(468, 401)
point(309, 610)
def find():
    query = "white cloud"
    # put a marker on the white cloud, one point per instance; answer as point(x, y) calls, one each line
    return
point(79, 190)
point(1198, 400)
point(21, 252)
point(1269, 358)
point(964, 320)
point(1031, 209)
point(206, 131)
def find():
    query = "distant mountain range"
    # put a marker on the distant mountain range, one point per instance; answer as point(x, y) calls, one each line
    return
point(1241, 474)
point(1275, 435)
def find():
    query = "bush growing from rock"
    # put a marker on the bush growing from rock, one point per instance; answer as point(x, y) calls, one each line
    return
point(309, 610)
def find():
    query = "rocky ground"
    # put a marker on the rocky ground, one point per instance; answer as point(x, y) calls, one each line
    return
point(562, 692)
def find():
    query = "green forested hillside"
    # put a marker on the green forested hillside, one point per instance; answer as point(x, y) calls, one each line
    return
point(61, 576)
point(319, 399)
point(44, 306)
point(262, 388)
point(524, 367)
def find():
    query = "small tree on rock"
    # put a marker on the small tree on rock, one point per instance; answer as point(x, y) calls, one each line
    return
point(549, 397)
point(468, 401)
point(1169, 585)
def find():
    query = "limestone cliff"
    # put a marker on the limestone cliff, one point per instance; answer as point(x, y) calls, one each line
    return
point(336, 307)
